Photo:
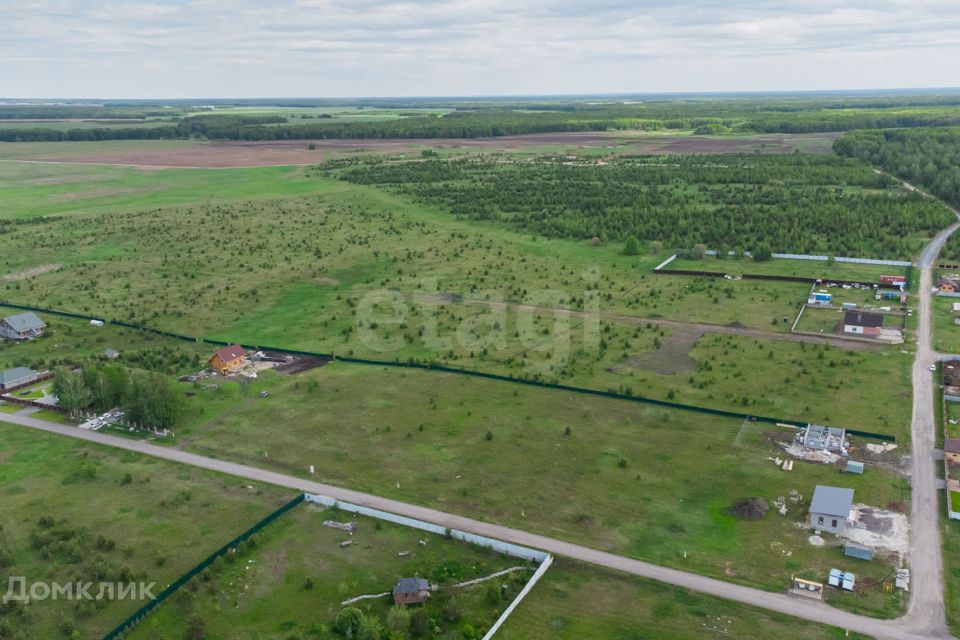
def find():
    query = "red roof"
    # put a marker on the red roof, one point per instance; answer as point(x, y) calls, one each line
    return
point(232, 352)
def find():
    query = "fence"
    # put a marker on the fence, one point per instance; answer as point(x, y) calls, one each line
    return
point(430, 366)
point(545, 560)
point(41, 377)
point(143, 611)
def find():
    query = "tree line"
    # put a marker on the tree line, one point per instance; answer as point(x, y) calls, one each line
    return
point(793, 203)
point(491, 120)
point(148, 399)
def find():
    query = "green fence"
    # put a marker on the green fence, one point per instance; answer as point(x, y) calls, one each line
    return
point(145, 610)
point(427, 366)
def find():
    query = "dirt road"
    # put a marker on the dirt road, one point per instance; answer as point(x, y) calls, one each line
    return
point(907, 628)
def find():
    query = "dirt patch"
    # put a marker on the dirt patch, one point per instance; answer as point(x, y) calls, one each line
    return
point(673, 356)
point(328, 282)
point(750, 509)
point(300, 364)
point(31, 272)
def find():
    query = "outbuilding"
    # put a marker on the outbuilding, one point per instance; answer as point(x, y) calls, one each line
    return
point(830, 508)
point(951, 450)
point(862, 323)
point(411, 591)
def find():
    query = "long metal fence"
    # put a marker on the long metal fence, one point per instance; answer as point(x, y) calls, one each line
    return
point(145, 610)
point(432, 366)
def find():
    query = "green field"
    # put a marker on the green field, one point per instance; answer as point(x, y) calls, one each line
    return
point(625, 479)
point(573, 601)
point(152, 521)
point(265, 591)
point(946, 333)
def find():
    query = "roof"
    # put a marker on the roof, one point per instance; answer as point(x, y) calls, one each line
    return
point(26, 321)
point(951, 445)
point(950, 372)
point(863, 318)
point(832, 501)
point(230, 353)
point(17, 373)
point(411, 585)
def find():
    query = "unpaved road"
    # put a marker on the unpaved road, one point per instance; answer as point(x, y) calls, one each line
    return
point(910, 627)
point(622, 318)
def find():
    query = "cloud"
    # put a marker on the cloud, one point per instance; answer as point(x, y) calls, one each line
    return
point(211, 48)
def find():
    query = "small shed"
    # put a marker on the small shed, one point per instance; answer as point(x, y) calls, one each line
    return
point(860, 551)
point(842, 579)
point(112, 354)
point(951, 450)
point(830, 508)
point(854, 466)
point(411, 591)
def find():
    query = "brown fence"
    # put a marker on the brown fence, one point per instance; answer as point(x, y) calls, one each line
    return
point(46, 375)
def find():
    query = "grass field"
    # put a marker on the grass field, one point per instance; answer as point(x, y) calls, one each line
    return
point(629, 482)
point(152, 521)
point(265, 592)
point(946, 334)
point(574, 601)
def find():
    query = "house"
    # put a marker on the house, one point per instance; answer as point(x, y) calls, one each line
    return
point(17, 377)
point(862, 323)
point(949, 284)
point(951, 450)
point(228, 359)
point(22, 326)
point(411, 591)
point(817, 436)
point(830, 508)
point(897, 281)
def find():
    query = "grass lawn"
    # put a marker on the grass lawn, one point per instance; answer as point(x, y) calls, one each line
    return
point(264, 593)
point(152, 521)
point(946, 334)
point(625, 479)
point(574, 601)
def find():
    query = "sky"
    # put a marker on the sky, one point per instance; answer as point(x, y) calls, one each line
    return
point(341, 48)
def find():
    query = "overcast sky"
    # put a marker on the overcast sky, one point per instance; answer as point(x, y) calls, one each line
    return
point(243, 48)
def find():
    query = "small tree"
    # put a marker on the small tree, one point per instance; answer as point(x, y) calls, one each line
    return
point(632, 247)
point(398, 619)
point(656, 247)
point(71, 390)
point(347, 622)
point(699, 250)
point(763, 253)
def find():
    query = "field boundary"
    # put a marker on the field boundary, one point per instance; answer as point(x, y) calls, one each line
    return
point(430, 366)
point(138, 615)
point(542, 558)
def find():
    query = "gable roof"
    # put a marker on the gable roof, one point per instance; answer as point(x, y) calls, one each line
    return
point(26, 321)
point(863, 319)
point(832, 501)
point(15, 374)
point(230, 353)
point(411, 585)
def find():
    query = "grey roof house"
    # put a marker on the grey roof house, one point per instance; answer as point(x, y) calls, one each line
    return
point(22, 326)
point(16, 377)
point(830, 508)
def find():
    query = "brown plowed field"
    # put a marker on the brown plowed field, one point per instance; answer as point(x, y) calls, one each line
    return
point(292, 152)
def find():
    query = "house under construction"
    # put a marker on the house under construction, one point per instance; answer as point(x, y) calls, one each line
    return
point(823, 438)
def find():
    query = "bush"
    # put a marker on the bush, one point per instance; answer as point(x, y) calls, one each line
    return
point(632, 247)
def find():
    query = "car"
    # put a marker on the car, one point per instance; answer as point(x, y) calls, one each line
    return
point(933, 367)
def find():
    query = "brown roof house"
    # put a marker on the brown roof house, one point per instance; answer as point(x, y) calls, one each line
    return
point(949, 283)
point(228, 359)
point(951, 449)
point(411, 591)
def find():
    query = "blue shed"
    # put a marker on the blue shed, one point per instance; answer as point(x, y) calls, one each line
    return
point(854, 467)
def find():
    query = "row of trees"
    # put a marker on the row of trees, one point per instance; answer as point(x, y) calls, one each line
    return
point(793, 203)
point(743, 116)
point(148, 399)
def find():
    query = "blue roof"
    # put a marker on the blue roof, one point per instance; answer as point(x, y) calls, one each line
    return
point(832, 501)
point(27, 321)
